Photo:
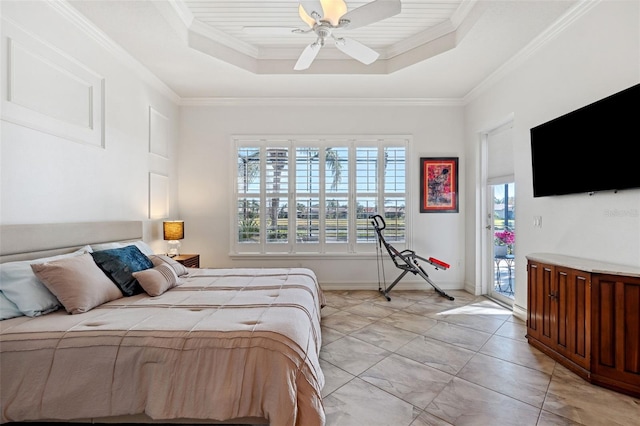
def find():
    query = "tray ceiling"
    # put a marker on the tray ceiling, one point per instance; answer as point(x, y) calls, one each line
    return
point(432, 49)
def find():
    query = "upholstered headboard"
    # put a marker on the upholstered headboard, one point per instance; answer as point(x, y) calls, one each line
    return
point(25, 242)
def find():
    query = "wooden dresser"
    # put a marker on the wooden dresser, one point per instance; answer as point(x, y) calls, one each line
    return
point(585, 314)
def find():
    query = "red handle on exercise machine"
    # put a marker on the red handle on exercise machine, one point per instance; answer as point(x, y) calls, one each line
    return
point(438, 262)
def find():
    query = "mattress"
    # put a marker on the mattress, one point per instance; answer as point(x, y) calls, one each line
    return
point(225, 344)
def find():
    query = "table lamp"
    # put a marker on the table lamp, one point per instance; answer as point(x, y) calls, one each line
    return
point(173, 231)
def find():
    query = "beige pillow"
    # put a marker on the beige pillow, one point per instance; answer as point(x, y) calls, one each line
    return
point(159, 259)
point(77, 283)
point(156, 281)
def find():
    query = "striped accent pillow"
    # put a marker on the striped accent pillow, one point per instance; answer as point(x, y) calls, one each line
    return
point(157, 280)
point(159, 259)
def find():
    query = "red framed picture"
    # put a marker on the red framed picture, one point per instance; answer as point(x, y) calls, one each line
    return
point(439, 185)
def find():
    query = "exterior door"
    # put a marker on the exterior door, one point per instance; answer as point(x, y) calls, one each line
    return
point(502, 228)
point(499, 189)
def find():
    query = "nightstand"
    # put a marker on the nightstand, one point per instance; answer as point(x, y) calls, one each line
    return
point(188, 260)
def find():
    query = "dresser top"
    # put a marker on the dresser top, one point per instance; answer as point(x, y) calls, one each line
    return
point(587, 265)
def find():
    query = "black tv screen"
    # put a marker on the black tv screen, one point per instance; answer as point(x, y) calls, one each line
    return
point(591, 149)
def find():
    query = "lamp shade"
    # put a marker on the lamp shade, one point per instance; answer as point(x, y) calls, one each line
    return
point(173, 230)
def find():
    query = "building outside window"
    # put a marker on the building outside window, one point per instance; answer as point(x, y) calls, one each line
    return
point(305, 196)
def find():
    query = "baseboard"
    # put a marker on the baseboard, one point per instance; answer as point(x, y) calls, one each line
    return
point(520, 312)
point(470, 288)
point(403, 285)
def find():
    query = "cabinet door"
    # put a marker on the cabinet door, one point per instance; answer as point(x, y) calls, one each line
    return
point(559, 305)
point(549, 307)
point(535, 299)
point(541, 311)
point(573, 298)
point(616, 330)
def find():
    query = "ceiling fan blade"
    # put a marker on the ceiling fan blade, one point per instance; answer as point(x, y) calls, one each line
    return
point(311, 6)
point(371, 12)
point(357, 50)
point(308, 55)
point(271, 30)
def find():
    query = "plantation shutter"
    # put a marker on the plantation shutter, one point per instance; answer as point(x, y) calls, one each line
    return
point(500, 155)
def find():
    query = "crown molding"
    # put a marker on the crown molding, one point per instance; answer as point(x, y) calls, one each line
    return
point(421, 39)
point(370, 102)
point(221, 38)
point(183, 12)
point(460, 16)
point(462, 12)
point(533, 47)
point(92, 31)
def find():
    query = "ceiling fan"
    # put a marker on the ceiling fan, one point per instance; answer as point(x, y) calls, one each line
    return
point(325, 16)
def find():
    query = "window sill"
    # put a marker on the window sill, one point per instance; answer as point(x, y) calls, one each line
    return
point(304, 256)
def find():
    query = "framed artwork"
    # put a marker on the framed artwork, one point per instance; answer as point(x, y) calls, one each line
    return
point(439, 185)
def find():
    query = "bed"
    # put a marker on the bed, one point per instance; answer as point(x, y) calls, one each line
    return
point(216, 346)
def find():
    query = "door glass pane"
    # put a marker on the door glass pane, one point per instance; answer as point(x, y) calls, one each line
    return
point(504, 233)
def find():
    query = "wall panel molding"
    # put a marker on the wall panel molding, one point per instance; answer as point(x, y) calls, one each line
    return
point(93, 32)
point(158, 133)
point(158, 196)
point(333, 102)
point(47, 90)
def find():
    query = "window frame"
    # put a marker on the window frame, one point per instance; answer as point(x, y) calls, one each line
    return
point(322, 248)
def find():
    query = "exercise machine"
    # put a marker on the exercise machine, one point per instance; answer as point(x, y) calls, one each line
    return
point(406, 260)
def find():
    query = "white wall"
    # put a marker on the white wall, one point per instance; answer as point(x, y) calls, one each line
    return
point(48, 177)
point(595, 56)
point(207, 168)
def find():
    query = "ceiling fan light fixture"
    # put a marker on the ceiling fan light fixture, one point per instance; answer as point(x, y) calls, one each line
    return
point(325, 16)
point(333, 10)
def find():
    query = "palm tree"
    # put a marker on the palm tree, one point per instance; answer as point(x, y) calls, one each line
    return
point(332, 159)
point(248, 170)
point(276, 158)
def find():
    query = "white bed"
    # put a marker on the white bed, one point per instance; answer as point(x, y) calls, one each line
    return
point(224, 346)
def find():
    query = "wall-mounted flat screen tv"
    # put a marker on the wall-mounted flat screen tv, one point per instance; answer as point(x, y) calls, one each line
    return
point(594, 148)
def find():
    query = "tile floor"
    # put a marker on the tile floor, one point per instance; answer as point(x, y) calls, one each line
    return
point(423, 360)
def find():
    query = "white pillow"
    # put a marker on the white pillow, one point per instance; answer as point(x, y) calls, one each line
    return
point(144, 247)
point(21, 286)
point(105, 246)
point(8, 309)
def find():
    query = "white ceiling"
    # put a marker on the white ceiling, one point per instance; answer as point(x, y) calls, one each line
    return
point(433, 49)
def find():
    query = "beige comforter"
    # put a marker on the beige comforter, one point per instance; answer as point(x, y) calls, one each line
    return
point(227, 343)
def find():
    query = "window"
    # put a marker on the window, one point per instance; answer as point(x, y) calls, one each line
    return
point(308, 196)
